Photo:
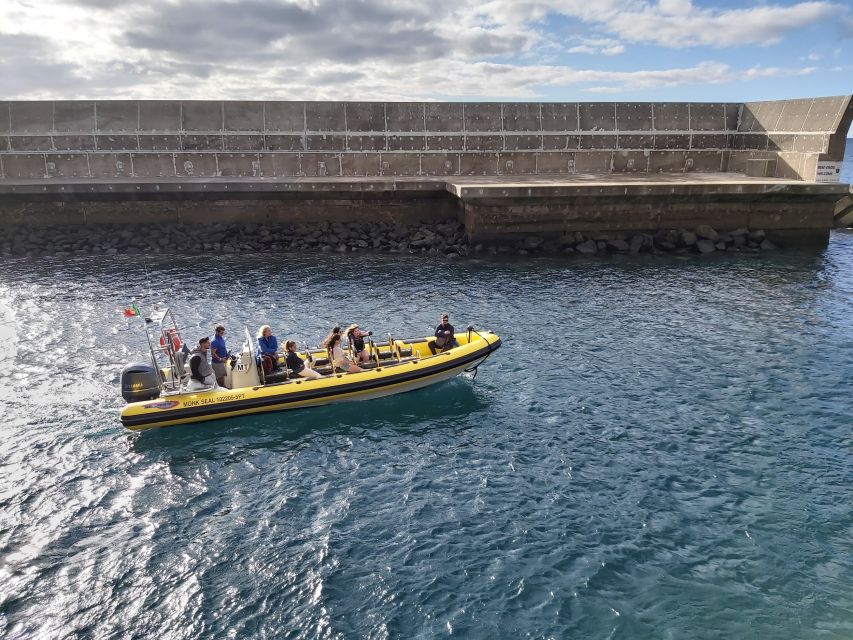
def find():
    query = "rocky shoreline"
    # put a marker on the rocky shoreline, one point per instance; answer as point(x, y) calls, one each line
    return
point(445, 238)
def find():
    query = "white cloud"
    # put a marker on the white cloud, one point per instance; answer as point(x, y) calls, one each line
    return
point(373, 49)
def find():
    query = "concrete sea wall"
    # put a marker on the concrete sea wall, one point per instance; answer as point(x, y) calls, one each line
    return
point(162, 139)
point(503, 169)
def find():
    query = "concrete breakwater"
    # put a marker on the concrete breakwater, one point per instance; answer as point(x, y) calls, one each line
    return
point(504, 170)
point(446, 238)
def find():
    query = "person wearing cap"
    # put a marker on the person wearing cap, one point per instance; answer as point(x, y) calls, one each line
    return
point(356, 340)
point(201, 373)
point(444, 336)
point(219, 355)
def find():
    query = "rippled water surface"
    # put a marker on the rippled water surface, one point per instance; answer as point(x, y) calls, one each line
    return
point(661, 449)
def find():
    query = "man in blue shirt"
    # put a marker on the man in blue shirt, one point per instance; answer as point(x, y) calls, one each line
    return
point(268, 346)
point(219, 355)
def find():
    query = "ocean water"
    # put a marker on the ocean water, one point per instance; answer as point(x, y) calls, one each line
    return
point(660, 449)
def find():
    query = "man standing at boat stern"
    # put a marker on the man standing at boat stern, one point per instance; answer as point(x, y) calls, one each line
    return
point(201, 373)
point(219, 355)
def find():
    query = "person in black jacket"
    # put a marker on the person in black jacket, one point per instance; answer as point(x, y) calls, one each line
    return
point(444, 336)
point(296, 364)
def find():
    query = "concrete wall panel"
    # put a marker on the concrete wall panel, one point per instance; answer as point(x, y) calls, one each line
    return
point(440, 164)
point(67, 165)
point(560, 116)
point(593, 162)
point(74, 142)
point(110, 165)
point(201, 115)
point(445, 143)
point(671, 116)
point(360, 164)
point(153, 165)
point(243, 142)
point(30, 143)
point(671, 141)
point(527, 142)
point(597, 142)
point(159, 116)
point(825, 113)
point(710, 141)
point(116, 142)
point(756, 141)
point(630, 161)
point(325, 116)
point(634, 116)
point(732, 112)
point(522, 116)
point(406, 143)
point(810, 143)
point(443, 117)
point(597, 116)
point(667, 161)
point(196, 165)
point(33, 117)
point(24, 166)
point(365, 116)
point(555, 163)
point(366, 143)
point(478, 164)
point(778, 141)
point(400, 164)
point(162, 142)
point(238, 165)
point(483, 143)
point(326, 142)
point(320, 164)
point(703, 161)
point(404, 116)
point(117, 116)
point(243, 116)
point(278, 142)
point(514, 164)
point(560, 142)
point(284, 116)
point(482, 116)
point(201, 142)
point(794, 114)
point(281, 165)
point(707, 116)
point(635, 141)
point(4, 117)
point(74, 117)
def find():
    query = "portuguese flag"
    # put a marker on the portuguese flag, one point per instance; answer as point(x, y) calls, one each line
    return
point(132, 311)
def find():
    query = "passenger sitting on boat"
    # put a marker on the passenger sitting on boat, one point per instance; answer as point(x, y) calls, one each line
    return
point(444, 336)
point(328, 338)
point(219, 355)
point(356, 340)
point(268, 345)
point(296, 364)
point(201, 373)
point(338, 358)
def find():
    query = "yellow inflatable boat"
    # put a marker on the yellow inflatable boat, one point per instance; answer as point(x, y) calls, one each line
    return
point(158, 395)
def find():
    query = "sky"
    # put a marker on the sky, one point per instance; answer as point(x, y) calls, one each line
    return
point(548, 50)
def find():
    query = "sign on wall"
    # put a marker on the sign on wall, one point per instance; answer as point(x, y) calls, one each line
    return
point(828, 172)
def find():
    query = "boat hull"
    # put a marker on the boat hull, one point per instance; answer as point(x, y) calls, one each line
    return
point(390, 379)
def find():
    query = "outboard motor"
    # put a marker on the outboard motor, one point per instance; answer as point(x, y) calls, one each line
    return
point(140, 382)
